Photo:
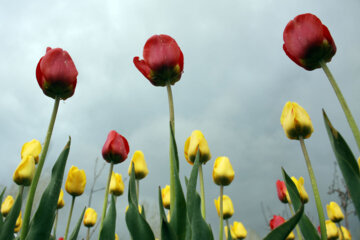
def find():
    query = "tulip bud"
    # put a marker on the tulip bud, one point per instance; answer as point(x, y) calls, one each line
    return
point(116, 148)
point(7, 205)
point(32, 148)
point(223, 173)
point(18, 224)
point(334, 212)
point(307, 41)
point(90, 217)
point(331, 230)
point(345, 231)
point(282, 192)
point(295, 121)
point(163, 60)
point(61, 202)
point(116, 184)
point(301, 189)
point(194, 143)
point(25, 171)
point(140, 167)
point(75, 181)
point(239, 230)
point(228, 208)
point(231, 233)
point(56, 74)
point(277, 221)
point(165, 195)
point(116, 237)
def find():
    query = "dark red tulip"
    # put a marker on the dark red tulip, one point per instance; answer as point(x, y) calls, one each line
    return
point(281, 191)
point(276, 221)
point(116, 148)
point(307, 41)
point(163, 61)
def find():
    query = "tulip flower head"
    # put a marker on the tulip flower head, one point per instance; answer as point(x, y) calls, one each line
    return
point(301, 189)
point(237, 231)
point(25, 171)
point(345, 231)
point(61, 202)
point(228, 208)
point(140, 167)
point(163, 61)
point(56, 74)
point(223, 173)
point(165, 195)
point(90, 217)
point(282, 192)
point(194, 143)
point(331, 230)
point(18, 223)
point(116, 184)
point(7, 205)
point(277, 221)
point(32, 148)
point(295, 121)
point(334, 212)
point(75, 181)
point(116, 237)
point(116, 148)
point(307, 41)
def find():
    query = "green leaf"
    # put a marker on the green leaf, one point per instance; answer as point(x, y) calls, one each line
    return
point(1, 200)
point(43, 220)
point(307, 228)
point(7, 231)
point(178, 220)
point(199, 228)
point(108, 229)
point(229, 235)
point(347, 163)
point(137, 225)
point(167, 233)
point(282, 231)
point(75, 232)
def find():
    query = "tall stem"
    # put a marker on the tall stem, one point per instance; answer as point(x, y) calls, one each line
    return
point(341, 231)
point(137, 190)
point(349, 117)
point(88, 233)
point(202, 192)
point(297, 226)
point(221, 230)
point(56, 222)
point(106, 197)
point(315, 190)
point(228, 228)
point(171, 106)
point(31, 194)
point(69, 219)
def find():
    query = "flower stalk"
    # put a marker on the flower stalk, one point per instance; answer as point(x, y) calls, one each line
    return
point(341, 231)
point(55, 223)
point(202, 192)
point(106, 197)
point(221, 230)
point(69, 219)
point(171, 106)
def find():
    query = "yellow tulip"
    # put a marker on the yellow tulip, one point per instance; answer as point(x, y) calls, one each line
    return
point(296, 121)
point(301, 189)
point(25, 171)
point(7, 205)
point(75, 181)
point(32, 148)
point(141, 169)
point(194, 143)
point(116, 184)
point(331, 230)
point(291, 236)
point(116, 237)
point(239, 230)
point(90, 217)
point(231, 233)
point(18, 223)
point(61, 202)
point(223, 173)
point(345, 231)
point(334, 212)
point(165, 195)
point(228, 208)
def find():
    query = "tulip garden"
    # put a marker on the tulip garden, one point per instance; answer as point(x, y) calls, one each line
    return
point(181, 205)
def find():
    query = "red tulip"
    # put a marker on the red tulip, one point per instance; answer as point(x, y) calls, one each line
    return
point(282, 191)
point(307, 41)
point(116, 148)
point(163, 60)
point(276, 221)
point(56, 74)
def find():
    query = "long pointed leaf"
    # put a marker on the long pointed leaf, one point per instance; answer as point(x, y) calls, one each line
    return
point(75, 231)
point(108, 229)
point(167, 233)
point(43, 220)
point(347, 163)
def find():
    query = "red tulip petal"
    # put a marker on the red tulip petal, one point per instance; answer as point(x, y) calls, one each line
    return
point(142, 67)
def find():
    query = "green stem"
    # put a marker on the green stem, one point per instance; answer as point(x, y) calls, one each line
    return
point(171, 106)
point(106, 197)
point(221, 230)
point(55, 223)
point(31, 194)
point(341, 231)
point(88, 233)
point(349, 117)
point(137, 190)
point(69, 219)
point(202, 192)
point(297, 226)
point(315, 190)
point(228, 228)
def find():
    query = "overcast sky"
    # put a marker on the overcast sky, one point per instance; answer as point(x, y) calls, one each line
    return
point(235, 83)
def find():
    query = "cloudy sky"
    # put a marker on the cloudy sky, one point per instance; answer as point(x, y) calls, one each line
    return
point(235, 83)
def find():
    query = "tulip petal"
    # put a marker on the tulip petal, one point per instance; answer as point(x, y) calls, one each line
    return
point(7, 230)
point(142, 67)
point(167, 233)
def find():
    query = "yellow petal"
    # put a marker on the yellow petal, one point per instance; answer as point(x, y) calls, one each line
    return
point(223, 173)
point(90, 217)
point(165, 194)
point(7, 205)
point(239, 230)
point(116, 184)
point(301, 189)
point(141, 169)
point(25, 171)
point(331, 230)
point(61, 202)
point(194, 143)
point(228, 208)
point(334, 212)
point(32, 148)
point(75, 181)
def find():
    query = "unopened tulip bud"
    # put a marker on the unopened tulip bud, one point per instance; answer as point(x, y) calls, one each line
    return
point(334, 212)
point(331, 230)
point(7, 205)
point(25, 171)
point(239, 230)
point(165, 194)
point(116, 148)
point(32, 148)
point(116, 184)
point(223, 173)
point(194, 143)
point(282, 192)
point(75, 181)
point(228, 208)
point(301, 189)
point(18, 224)
point(90, 217)
point(345, 232)
point(116, 237)
point(140, 167)
point(61, 202)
